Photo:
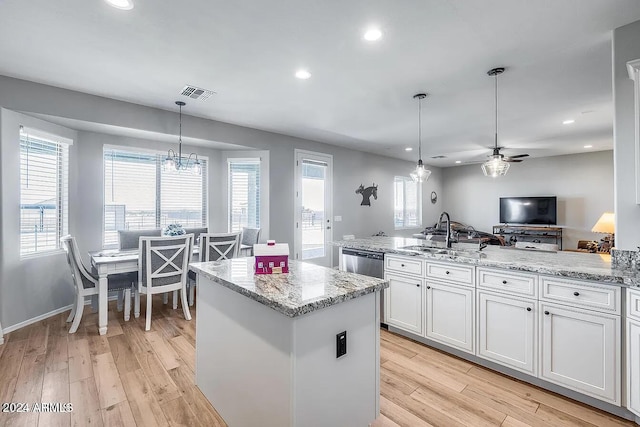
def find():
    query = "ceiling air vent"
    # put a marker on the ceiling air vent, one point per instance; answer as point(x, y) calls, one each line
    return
point(438, 157)
point(196, 92)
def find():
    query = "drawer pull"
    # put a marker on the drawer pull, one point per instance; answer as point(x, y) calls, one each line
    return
point(447, 272)
point(401, 265)
point(428, 287)
point(576, 293)
point(528, 308)
point(504, 282)
point(546, 312)
point(418, 285)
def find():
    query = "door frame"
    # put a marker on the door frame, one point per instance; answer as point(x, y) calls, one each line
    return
point(297, 205)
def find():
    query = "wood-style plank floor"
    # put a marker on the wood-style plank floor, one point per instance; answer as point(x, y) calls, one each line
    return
point(135, 378)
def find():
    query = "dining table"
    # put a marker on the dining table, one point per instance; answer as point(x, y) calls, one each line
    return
point(115, 261)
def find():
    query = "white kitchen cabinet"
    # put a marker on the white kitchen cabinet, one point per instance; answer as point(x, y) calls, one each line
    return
point(633, 350)
point(580, 350)
point(450, 315)
point(507, 331)
point(404, 302)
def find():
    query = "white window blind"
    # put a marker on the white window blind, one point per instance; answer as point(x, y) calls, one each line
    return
point(244, 193)
point(407, 203)
point(139, 194)
point(44, 183)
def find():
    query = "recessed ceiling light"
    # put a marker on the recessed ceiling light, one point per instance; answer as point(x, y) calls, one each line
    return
point(303, 74)
point(588, 146)
point(121, 4)
point(458, 162)
point(408, 149)
point(372, 34)
point(568, 122)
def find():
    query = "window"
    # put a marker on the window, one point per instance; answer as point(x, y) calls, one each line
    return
point(44, 175)
point(407, 203)
point(139, 194)
point(244, 193)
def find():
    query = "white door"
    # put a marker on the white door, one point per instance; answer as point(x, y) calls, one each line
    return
point(450, 315)
point(506, 331)
point(581, 350)
point(313, 215)
point(633, 366)
point(404, 302)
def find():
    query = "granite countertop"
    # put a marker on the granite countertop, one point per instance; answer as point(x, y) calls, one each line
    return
point(306, 288)
point(576, 265)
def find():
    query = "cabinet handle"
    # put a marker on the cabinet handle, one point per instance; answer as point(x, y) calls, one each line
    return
point(576, 293)
point(447, 272)
point(528, 308)
point(428, 287)
point(546, 312)
point(418, 285)
point(401, 265)
point(504, 282)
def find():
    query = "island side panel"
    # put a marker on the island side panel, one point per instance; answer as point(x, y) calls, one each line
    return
point(243, 357)
point(343, 391)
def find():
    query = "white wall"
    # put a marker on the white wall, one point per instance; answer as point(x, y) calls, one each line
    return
point(583, 184)
point(626, 47)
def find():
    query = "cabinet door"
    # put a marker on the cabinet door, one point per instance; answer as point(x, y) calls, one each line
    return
point(450, 315)
point(404, 303)
point(580, 350)
point(507, 331)
point(633, 366)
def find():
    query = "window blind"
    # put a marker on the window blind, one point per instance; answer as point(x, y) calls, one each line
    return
point(139, 194)
point(44, 183)
point(244, 193)
point(407, 203)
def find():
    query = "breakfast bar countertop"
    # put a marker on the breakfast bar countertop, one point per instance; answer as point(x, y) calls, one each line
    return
point(305, 288)
point(577, 265)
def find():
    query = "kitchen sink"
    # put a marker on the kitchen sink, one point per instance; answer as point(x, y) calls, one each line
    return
point(434, 250)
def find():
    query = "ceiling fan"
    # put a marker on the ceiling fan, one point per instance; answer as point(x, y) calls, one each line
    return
point(510, 159)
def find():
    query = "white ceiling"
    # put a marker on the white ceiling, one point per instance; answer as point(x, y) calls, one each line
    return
point(557, 54)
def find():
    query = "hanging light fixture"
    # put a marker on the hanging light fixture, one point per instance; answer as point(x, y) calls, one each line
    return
point(496, 166)
point(421, 173)
point(177, 162)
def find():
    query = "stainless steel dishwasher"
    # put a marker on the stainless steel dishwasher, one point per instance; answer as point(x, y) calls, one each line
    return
point(368, 263)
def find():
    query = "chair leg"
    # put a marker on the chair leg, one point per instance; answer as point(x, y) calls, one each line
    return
point(185, 306)
point(192, 293)
point(73, 309)
point(127, 304)
point(165, 298)
point(94, 303)
point(175, 300)
point(148, 325)
point(120, 300)
point(78, 315)
point(136, 303)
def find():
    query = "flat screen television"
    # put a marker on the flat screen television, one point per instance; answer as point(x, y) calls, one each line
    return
point(528, 210)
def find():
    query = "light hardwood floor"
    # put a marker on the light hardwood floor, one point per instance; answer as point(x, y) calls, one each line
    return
point(131, 377)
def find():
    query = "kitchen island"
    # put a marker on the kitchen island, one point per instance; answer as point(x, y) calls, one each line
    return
point(267, 345)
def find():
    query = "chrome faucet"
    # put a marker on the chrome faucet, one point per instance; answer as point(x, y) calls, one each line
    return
point(448, 237)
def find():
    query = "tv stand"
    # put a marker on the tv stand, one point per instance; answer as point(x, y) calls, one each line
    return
point(529, 233)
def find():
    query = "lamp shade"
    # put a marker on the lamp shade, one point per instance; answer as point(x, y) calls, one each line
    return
point(605, 224)
point(495, 167)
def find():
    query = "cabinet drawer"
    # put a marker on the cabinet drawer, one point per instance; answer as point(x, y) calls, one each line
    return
point(403, 265)
point(507, 281)
point(581, 294)
point(633, 303)
point(457, 273)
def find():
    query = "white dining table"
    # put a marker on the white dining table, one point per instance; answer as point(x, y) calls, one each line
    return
point(114, 261)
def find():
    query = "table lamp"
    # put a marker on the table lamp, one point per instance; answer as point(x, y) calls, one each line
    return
point(606, 224)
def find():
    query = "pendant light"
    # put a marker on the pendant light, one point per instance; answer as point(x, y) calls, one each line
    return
point(177, 162)
point(421, 173)
point(496, 166)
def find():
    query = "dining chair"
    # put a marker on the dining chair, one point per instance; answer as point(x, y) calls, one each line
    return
point(214, 247)
point(86, 283)
point(130, 239)
point(250, 236)
point(163, 266)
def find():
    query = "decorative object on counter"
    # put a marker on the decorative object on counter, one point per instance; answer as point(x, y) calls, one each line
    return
point(367, 193)
point(379, 234)
point(174, 230)
point(271, 257)
point(421, 173)
point(498, 164)
point(605, 224)
point(434, 197)
point(177, 162)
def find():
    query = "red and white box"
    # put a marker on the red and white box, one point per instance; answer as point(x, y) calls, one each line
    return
point(271, 257)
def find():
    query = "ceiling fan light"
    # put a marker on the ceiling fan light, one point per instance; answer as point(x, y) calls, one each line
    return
point(495, 167)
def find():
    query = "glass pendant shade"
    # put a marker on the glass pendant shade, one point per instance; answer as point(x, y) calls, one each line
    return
point(169, 164)
point(495, 167)
point(196, 169)
point(420, 174)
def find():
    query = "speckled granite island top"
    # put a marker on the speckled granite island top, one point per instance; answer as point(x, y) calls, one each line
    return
point(305, 288)
point(576, 265)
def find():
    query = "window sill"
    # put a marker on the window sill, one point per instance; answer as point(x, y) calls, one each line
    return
point(41, 254)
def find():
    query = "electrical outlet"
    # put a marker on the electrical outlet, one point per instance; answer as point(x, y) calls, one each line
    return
point(341, 344)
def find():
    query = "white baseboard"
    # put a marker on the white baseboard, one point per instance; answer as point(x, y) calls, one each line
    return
point(43, 317)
